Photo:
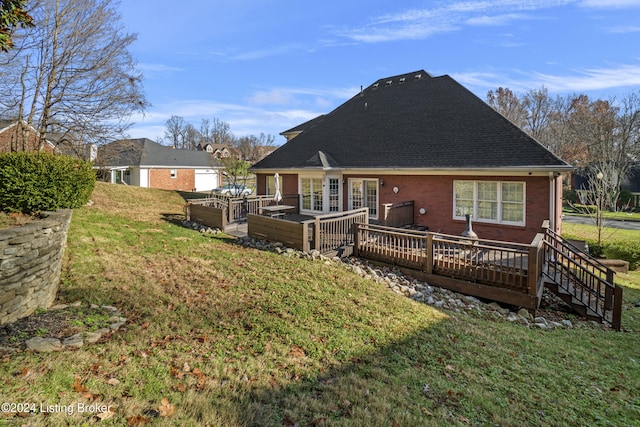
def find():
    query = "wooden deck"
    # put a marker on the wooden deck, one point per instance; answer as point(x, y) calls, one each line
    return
point(506, 272)
point(483, 268)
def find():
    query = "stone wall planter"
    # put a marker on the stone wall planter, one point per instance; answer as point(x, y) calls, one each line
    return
point(30, 264)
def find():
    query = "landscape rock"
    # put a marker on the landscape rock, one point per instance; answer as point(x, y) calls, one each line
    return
point(73, 341)
point(419, 291)
point(44, 345)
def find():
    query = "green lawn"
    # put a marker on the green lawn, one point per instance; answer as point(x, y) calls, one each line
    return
point(223, 335)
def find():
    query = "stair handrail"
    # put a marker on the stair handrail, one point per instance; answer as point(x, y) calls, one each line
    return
point(612, 298)
point(590, 259)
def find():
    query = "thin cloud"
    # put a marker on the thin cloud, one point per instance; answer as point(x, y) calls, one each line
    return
point(423, 23)
point(158, 68)
point(610, 4)
point(243, 120)
point(496, 20)
point(594, 79)
point(294, 96)
point(624, 29)
point(584, 80)
point(267, 52)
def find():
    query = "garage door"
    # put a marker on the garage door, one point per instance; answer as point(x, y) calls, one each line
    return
point(206, 179)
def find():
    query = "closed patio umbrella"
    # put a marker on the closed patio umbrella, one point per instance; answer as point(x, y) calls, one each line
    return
point(277, 196)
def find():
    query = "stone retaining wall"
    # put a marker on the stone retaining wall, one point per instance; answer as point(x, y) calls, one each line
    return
point(30, 264)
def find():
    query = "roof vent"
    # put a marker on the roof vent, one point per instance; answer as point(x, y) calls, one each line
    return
point(418, 77)
point(402, 79)
point(388, 83)
point(375, 85)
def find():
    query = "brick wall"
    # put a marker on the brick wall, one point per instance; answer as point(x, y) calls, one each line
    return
point(435, 194)
point(30, 264)
point(289, 183)
point(185, 179)
point(11, 141)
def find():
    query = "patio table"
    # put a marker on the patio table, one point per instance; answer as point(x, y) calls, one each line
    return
point(275, 211)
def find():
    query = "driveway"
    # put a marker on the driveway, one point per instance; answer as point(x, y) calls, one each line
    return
point(611, 223)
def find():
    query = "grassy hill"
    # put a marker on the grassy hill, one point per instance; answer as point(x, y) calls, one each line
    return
point(222, 335)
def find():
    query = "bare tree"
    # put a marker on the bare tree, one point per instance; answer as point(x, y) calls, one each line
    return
point(221, 132)
point(79, 82)
point(174, 133)
point(593, 197)
point(507, 103)
point(250, 146)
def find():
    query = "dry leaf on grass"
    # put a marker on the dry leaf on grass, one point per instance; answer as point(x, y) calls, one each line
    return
point(176, 373)
point(297, 351)
point(79, 386)
point(166, 408)
point(105, 415)
point(113, 381)
point(138, 420)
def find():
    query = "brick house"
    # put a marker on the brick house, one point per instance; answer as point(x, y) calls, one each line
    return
point(11, 138)
point(146, 163)
point(425, 140)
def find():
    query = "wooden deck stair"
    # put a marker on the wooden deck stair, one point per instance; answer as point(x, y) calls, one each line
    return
point(581, 281)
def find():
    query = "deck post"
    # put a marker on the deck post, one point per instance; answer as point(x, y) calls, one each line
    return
point(532, 265)
point(616, 319)
point(356, 239)
point(316, 234)
point(429, 266)
point(306, 247)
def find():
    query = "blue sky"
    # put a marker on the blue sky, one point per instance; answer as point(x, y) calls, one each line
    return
point(269, 65)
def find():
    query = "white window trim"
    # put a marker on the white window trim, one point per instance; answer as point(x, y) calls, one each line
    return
point(362, 180)
point(323, 191)
point(328, 191)
point(475, 202)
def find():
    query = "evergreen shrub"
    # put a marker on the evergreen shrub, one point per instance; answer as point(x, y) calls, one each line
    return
point(35, 182)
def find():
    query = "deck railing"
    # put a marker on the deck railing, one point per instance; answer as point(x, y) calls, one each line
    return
point(587, 280)
point(335, 230)
point(401, 247)
point(237, 208)
point(483, 261)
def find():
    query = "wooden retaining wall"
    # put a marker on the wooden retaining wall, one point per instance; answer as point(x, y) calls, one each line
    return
point(292, 234)
point(207, 215)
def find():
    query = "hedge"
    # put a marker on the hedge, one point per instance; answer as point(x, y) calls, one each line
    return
point(34, 182)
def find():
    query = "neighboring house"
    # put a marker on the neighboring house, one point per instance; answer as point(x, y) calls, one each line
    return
point(11, 137)
point(415, 137)
point(146, 163)
point(220, 151)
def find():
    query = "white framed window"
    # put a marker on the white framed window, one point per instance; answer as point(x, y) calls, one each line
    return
point(364, 193)
point(334, 194)
point(501, 202)
point(312, 197)
point(174, 173)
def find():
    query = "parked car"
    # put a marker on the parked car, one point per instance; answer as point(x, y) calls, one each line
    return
point(234, 190)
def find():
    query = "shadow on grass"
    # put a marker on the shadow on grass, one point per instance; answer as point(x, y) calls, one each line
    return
point(399, 384)
point(190, 195)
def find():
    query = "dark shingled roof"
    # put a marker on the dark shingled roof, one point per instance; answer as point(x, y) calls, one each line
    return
point(412, 120)
point(145, 152)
